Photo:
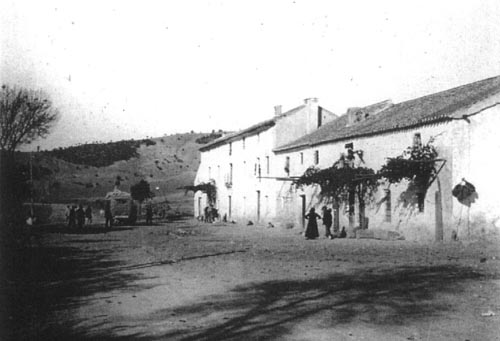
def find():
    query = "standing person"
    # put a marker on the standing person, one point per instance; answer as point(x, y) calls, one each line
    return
point(88, 215)
point(327, 221)
point(312, 225)
point(206, 214)
point(108, 216)
point(68, 209)
point(149, 214)
point(72, 217)
point(80, 216)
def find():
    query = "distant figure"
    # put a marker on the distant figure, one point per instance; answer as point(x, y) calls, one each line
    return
point(80, 216)
point(312, 225)
point(215, 214)
point(88, 215)
point(343, 234)
point(206, 211)
point(72, 217)
point(108, 216)
point(327, 221)
point(149, 215)
point(224, 218)
point(68, 209)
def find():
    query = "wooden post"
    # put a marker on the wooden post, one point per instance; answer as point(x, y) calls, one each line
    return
point(439, 217)
point(352, 200)
point(336, 218)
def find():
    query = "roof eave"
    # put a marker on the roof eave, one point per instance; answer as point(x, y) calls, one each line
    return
point(368, 134)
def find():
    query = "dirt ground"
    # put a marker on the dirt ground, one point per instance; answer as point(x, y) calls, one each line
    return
point(188, 280)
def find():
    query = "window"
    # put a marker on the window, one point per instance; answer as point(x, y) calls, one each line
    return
point(316, 157)
point(267, 164)
point(320, 116)
point(417, 140)
point(230, 148)
point(228, 177)
point(287, 165)
point(301, 158)
point(421, 202)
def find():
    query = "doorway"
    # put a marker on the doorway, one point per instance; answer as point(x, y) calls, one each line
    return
point(303, 211)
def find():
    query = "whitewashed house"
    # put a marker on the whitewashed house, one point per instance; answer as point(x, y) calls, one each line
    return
point(463, 121)
point(253, 169)
point(242, 165)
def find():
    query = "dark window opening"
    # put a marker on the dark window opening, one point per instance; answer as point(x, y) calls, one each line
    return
point(287, 165)
point(421, 200)
point(316, 157)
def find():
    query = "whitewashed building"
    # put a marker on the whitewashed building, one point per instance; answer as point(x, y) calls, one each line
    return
point(253, 169)
point(242, 165)
point(464, 123)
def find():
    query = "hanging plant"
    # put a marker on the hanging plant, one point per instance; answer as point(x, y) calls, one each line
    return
point(338, 181)
point(417, 164)
point(206, 187)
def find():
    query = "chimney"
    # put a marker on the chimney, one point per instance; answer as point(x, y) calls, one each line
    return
point(312, 100)
point(351, 115)
point(277, 110)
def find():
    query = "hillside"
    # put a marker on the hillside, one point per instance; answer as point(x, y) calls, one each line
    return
point(90, 171)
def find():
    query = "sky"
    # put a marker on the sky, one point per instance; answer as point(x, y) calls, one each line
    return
point(130, 69)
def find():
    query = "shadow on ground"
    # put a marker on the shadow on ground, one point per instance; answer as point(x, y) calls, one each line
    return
point(272, 309)
point(41, 285)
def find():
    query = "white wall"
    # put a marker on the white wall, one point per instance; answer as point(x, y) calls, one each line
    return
point(245, 182)
point(476, 160)
point(469, 149)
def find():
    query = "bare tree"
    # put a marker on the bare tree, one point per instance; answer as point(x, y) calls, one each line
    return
point(25, 115)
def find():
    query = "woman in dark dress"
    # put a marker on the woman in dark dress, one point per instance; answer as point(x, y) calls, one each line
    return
point(312, 225)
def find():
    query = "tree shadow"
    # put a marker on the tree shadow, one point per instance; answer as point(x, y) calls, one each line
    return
point(40, 286)
point(272, 309)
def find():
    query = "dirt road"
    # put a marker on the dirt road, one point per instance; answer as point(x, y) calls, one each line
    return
point(194, 281)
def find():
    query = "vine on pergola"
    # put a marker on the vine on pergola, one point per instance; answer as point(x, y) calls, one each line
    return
point(417, 164)
point(343, 182)
point(206, 187)
point(336, 183)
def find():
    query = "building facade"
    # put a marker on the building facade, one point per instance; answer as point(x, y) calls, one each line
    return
point(461, 121)
point(242, 165)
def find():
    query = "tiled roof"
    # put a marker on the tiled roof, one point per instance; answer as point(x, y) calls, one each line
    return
point(250, 131)
point(434, 108)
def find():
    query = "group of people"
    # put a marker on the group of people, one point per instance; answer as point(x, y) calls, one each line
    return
point(211, 214)
point(78, 216)
point(312, 225)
